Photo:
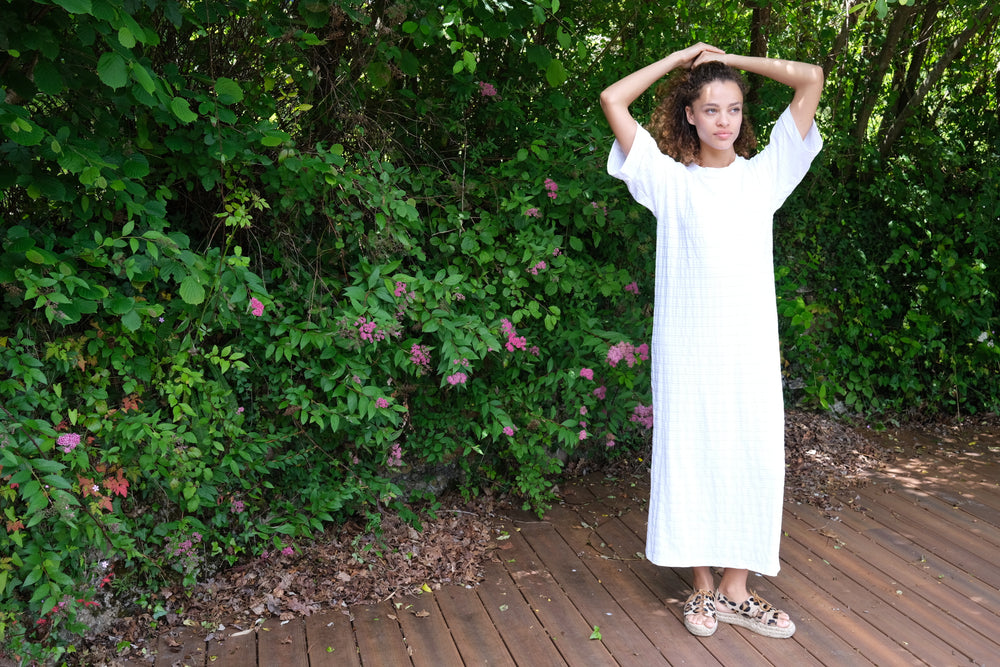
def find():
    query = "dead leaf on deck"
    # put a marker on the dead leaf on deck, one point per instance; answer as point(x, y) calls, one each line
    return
point(423, 613)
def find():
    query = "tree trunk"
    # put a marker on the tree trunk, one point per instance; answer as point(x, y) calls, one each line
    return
point(872, 90)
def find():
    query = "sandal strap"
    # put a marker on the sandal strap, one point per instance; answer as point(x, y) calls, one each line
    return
point(700, 602)
point(754, 607)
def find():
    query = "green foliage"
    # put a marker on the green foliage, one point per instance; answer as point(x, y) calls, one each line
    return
point(267, 265)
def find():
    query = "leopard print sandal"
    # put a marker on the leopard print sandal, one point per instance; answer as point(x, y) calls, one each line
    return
point(755, 613)
point(702, 603)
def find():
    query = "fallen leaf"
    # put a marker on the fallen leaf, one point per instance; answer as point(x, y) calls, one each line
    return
point(422, 613)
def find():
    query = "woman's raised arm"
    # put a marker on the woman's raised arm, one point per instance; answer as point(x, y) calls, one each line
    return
point(805, 79)
point(616, 98)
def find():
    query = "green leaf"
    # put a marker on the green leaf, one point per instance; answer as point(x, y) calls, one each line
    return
point(142, 77)
point(132, 320)
point(125, 37)
point(596, 634)
point(34, 257)
point(228, 91)
point(47, 78)
point(379, 74)
point(76, 6)
point(182, 109)
point(555, 73)
point(192, 291)
point(112, 70)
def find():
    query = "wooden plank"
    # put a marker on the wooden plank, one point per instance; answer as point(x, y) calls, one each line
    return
point(521, 631)
point(380, 638)
point(475, 636)
point(425, 632)
point(232, 647)
point(282, 643)
point(559, 616)
point(911, 589)
point(181, 646)
point(945, 541)
point(944, 572)
point(869, 596)
point(956, 513)
point(727, 645)
point(331, 640)
point(619, 633)
point(645, 608)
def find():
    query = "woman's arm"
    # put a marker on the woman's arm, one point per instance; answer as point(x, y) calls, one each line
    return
point(617, 97)
point(805, 79)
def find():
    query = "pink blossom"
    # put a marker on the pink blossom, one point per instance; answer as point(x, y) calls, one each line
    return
point(600, 392)
point(552, 188)
point(632, 287)
point(625, 350)
point(487, 89)
point(514, 342)
point(457, 378)
point(642, 414)
point(237, 506)
point(583, 435)
point(68, 441)
point(541, 266)
point(256, 307)
point(380, 402)
point(508, 430)
point(400, 289)
point(587, 373)
point(610, 443)
point(420, 356)
point(583, 409)
point(395, 456)
point(556, 252)
point(533, 213)
point(288, 551)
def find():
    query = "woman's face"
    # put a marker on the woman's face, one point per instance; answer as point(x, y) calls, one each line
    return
point(717, 114)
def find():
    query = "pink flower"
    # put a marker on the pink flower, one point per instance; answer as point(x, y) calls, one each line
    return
point(395, 456)
point(583, 410)
point(514, 342)
point(508, 430)
point(380, 402)
point(68, 441)
point(420, 356)
point(610, 443)
point(625, 350)
point(457, 378)
point(583, 435)
point(400, 289)
point(237, 506)
point(541, 266)
point(256, 307)
point(600, 392)
point(556, 252)
point(642, 414)
point(487, 89)
point(288, 551)
point(587, 373)
point(552, 188)
point(533, 213)
point(632, 287)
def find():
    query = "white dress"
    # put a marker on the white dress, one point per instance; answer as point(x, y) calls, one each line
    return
point(718, 432)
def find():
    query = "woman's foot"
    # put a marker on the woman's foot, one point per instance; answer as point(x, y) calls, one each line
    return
point(699, 613)
point(755, 614)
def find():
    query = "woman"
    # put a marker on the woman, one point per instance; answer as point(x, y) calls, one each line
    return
point(718, 441)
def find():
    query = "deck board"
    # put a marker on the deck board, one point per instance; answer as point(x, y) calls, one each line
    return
point(905, 574)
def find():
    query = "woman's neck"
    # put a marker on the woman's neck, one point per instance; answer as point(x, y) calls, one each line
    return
point(713, 159)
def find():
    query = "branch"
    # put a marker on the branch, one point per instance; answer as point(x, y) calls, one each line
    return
point(934, 76)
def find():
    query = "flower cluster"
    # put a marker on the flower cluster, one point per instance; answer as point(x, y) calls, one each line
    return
point(487, 89)
point(237, 507)
point(632, 287)
point(533, 213)
point(401, 290)
point(628, 352)
point(541, 266)
point(587, 373)
point(514, 342)
point(369, 331)
point(187, 545)
point(552, 187)
point(643, 414)
point(395, 456)
point(457, 378)
point(420, 356)
point(508, 430)
point(601, 392)
point(68, 441)
point(381, 402)
point(256, 307)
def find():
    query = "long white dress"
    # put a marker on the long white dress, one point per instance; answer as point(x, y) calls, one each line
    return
point(718, 431)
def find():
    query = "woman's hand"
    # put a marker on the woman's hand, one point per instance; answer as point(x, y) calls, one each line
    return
point(698, 53)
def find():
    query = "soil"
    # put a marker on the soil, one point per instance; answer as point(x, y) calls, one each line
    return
point(352, 565)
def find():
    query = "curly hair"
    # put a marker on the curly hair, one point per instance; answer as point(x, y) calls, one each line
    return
point(669, 125)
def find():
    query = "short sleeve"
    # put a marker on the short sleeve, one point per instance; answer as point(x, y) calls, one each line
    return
point(645, 170)
point(786, 159)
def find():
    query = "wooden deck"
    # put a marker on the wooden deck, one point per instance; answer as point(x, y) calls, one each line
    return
point(912, 577)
